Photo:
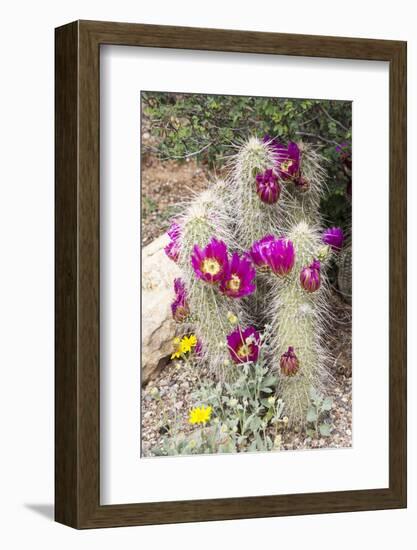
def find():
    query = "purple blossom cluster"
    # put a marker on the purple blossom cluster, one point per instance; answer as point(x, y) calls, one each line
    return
point(234, 276)
point(276, 254)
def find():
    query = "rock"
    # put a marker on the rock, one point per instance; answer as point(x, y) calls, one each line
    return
point(158, 327)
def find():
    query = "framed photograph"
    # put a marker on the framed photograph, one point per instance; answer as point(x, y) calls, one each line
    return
point(230, 274)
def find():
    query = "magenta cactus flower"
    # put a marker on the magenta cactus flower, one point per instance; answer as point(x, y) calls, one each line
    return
point(333, 237)
point(290, 166)
point(211, 263)
point(289, 363)
point(179, 307)
point(287, 159)
point(310, 277)
point(172, 250)
point(244, 345)
point(267, 186)
point(238, 279)
point(281, 256)
point(276, 254)
point(259, 251)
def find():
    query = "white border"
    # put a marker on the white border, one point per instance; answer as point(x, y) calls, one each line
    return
point(125, 71)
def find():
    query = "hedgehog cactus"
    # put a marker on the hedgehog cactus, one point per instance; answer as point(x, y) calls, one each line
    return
point(203, 220)
point(253, 193)
point(298, 314)
point(264, 217)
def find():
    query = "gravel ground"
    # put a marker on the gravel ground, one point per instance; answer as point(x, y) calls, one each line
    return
point(176, 382)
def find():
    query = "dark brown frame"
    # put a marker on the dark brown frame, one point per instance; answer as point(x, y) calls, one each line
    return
point(77, 373)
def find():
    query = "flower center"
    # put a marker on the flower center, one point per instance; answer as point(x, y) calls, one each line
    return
point(286, 164)
point(234, 283)
point(244, 350)
point(211, 266)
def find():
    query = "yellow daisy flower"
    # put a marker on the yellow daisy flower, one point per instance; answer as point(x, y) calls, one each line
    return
point(186, 344)
point(200, 415)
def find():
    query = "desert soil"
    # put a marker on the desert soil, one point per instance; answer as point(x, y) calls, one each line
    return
point(164, 185)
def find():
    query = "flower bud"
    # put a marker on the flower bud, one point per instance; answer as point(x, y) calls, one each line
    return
point(310, 277)
point(267, 187)
point(289, 363)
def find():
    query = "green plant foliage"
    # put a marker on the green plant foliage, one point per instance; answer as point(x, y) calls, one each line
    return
point(318, 409)
point(247, 408)
point(246, 416)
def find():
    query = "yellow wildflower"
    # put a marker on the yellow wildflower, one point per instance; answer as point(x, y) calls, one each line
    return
point(183, 345)
point(200, 415)
point(188, 342)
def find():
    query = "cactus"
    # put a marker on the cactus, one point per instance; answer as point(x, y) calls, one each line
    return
point(344, 275)
point(252, 218)
point(302, 203)
point(298, 320)
point(262, 198)
point(203, 219)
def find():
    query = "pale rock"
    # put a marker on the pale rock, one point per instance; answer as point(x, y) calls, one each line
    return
point(158, 327)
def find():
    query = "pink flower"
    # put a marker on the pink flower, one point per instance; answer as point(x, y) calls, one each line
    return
point(334, 238)
point(238, 279)
point(244, 345)
point(210, 263)
point(277, 254)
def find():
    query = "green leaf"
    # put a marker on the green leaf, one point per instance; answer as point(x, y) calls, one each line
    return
point(313, 394)
point(270, 381)
point(327, 404)
point(255, 424)
point(259, 443)
point(311, 414)
point(311, 433)
point(325, 430)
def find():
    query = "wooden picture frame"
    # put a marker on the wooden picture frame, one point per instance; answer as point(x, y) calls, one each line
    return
point(77, 382)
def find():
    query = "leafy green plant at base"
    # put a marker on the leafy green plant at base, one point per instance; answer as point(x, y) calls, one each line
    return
point(319, 407)
point(246, 408)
